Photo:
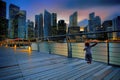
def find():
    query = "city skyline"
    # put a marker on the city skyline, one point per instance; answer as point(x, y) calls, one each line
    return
point(106, 9)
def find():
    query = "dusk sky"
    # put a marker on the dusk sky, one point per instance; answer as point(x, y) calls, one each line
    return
point(106, 9)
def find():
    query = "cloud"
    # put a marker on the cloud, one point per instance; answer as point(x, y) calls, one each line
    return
point(106, 9)
point(85, 4)
point(112, 16)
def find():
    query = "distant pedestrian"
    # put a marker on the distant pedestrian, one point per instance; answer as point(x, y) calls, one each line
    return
point(88, 53)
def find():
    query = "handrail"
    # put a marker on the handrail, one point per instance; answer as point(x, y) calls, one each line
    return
point(84, 33)
point(72, 49)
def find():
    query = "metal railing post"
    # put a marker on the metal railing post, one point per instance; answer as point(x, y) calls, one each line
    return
point(108, 55)
point(69, 47)
point(49, 47)
point(38, 45)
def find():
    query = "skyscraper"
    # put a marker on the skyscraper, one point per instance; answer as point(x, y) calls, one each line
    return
point(116, 27)
point(73, 19)
point(30, 27)
point(54, 19)
point(107, 26)
point(94, 22)
point(91, 22)
point(13, 20)
point(37, 22)
point(21, 24)
point(3, 20)
point(39, 26)
point(61, 27)
point(47, 23)
point(2, 9)
point(91, 16)
point(54, 24)
point(94, 25)
point(97, 23)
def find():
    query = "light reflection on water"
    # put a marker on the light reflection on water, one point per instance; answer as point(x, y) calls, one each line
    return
point(100, 51)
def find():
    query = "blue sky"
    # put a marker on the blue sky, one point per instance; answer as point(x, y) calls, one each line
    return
point(106, 9)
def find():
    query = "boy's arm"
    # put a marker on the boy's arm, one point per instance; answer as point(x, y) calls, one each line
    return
point(84, 49)
point(94, 44)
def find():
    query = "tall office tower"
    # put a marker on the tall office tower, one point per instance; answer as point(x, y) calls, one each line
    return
point(94, 22)
point(91, 16)
point(3, 20)
point(116, 27)
point(54, 24)
point(47, 23)
point(39, 26)
point(54, 19)
point(21, 32)
point(97, 23)
point(30, 27)
point(37, 22)
point(61, 27)
point(73, 19)
point(91, 22)
point(13, 20)
point(2, 9)
point(107, 26)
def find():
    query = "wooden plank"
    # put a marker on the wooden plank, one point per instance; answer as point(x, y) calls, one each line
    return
point(77, 74)
point(9, 68)
point(117, 76)
point(60, 71)
point(12, 77)
point(70, 72)
point(10, 73)
point(88, 71)
point(90, 74)
point(57, 68)
point(100, 75)
point(112, 74)
point(39, 69)
point(40, 64)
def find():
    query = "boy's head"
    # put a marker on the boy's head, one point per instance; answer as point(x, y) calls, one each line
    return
point(87, 44)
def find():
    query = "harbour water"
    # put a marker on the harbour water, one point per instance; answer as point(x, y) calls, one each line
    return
point(101, 52)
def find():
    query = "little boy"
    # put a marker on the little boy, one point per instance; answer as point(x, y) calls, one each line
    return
point(88, 53)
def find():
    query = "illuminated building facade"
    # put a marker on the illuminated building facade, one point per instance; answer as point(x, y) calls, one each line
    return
point(13, 20)
point(116, 27)
point(73, 19)
point(47, 23)
point(20, 33)
point(3, 21)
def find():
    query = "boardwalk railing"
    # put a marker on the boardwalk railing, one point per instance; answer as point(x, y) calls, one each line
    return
point(107, 50)
point(72, 45)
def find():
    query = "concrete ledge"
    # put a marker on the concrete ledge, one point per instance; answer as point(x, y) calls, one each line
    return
point(100, 74)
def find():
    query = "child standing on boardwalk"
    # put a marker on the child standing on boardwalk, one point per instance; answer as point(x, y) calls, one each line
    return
point(88, 53)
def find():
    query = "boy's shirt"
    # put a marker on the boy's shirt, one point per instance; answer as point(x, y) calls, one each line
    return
point(88, 50)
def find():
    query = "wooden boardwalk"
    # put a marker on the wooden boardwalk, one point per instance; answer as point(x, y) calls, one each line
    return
point(21, 65)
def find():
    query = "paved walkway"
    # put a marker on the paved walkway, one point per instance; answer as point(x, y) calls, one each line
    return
point(23, 65)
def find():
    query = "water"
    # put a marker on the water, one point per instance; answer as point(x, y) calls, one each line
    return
point(100, 51)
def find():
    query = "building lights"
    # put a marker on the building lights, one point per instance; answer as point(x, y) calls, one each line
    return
point(6, 45)
point(29, 48)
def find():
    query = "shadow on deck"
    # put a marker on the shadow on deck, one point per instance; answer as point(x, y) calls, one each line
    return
point(21, 65)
